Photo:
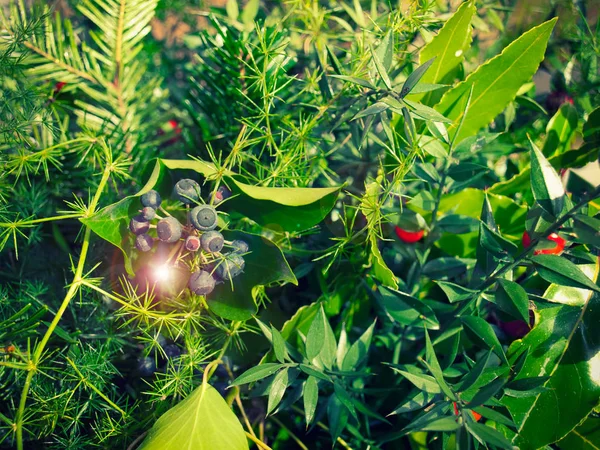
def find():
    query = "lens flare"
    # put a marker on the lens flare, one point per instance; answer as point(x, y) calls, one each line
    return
point(162, 273)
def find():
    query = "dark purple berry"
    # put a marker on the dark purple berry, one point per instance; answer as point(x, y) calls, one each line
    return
point(230, 267)
point(144, 242)
point(168, 229)
point(172, 351)
point(186, 191)
point(148, 213)
point(204, 217)
point(138, 225)
point(240, 246)
point(146, 367)
point(192, 243)
point(201, 283)
point(151, 199)
point(212, 241)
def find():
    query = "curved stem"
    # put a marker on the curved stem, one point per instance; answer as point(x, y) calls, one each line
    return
point(73, 289)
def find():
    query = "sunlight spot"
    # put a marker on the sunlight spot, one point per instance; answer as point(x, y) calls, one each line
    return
point(162, 273)
point(457, 53)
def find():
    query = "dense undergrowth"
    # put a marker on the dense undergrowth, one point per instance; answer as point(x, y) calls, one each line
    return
point(419, 260)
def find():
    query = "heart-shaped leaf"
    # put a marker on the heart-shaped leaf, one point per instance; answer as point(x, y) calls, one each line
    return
point(202, 420)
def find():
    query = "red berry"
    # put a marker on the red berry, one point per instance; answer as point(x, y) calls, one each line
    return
point(477, 416)
point(409, 237)
point(58, 86)
point(558, 248)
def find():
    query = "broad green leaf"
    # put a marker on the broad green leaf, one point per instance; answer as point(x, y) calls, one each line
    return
point(564, 344)
point(257, 373)
point(448, 46)
point(572, 296)
point(559, 270)
point(512, 299)
point(290, 209)
point(315, 372)
point(585, 437)
point(310, 397)
point(358, 351)
point(487, 392)
point(415, 77)
point(482, 332)
point(496, 83)
point(337, 416)
point(376, 108)
point(445, 267)
point(355, 80)
point(487, 435)
point(201, 421)
point(426, 113)
point(264, 265)
point(494, 243)
point(546, 185)
point(560, 131)
point(249, 13)
point(406, 309)
point(320, 340)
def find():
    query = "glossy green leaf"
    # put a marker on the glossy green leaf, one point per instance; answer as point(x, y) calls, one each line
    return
point(344, 398)
point(423, 382)
point(568, 295)
point(585, 437)
point(278, 388)
point(415, 402)
point(203, 420)
point(434, 367)
point(441, 424)
point(559, 270)
point(481, 332)
point(358, 351)
point(407, 310)
point(415, 77)
point(375, 108)
point(445, 267)
point(257, 373)
point(426, 113)
point(494, 243)
point(560, 131)
point(512, 299)
point(564, 344)
point(385, 50)
point(310, 397)
point(381, 70)
point(546, 185)
point(487, 435)
point(289, 209)
point(454, 292)
point(474, 374)
point(278, 345)
point(496, 83)
point(448, 47)
point(320, 340)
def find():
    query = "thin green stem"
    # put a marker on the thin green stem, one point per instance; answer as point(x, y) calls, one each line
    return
point(25, 223)
point(73, 288)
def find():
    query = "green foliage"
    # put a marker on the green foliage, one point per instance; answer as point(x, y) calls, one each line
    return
point(381, 161)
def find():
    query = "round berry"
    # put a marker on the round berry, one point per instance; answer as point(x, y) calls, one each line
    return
point(212, 241)
point(148, 213)
point(168, 229)
point(201, 283)
point(192, 243)
point(222, 193)
point(557, 249)
point(144, 242)
point(204, 217)
point(172, 351)
point(230, 267)
point(151, 199)
point(138, 225)
point(186, 191)
point(146, 367)
point(240, 246)
point(409, 237)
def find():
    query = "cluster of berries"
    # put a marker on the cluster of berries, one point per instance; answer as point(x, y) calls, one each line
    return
point(197, 243)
